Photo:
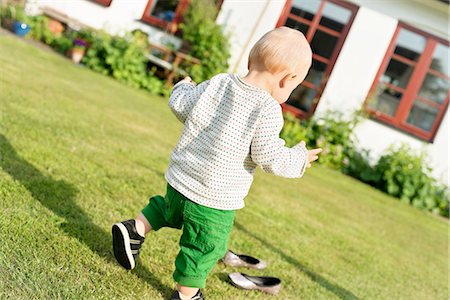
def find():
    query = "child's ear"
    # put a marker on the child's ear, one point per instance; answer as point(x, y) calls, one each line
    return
point(286, 78)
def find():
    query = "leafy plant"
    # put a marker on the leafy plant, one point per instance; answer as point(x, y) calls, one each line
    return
point(206, 39)
point(405, 174)
point(40, 30)
point(294, 131)
point(122, 58)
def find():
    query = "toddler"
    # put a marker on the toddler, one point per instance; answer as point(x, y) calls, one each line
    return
point(231, 126)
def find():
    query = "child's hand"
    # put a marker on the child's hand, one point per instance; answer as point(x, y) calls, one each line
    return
point(312, 154)
point(188, 80)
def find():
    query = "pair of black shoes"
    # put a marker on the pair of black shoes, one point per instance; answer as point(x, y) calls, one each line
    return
point(127, 243)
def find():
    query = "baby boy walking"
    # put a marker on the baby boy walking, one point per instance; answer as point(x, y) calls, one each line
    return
point(231, 126)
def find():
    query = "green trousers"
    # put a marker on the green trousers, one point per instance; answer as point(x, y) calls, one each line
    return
point(205, 234)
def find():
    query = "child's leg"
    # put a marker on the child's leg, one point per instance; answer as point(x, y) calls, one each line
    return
point(142, 225)
point(128, 236)
point(203, 242)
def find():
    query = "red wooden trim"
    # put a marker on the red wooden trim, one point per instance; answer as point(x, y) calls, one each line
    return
point(403, 59)
point(284, 13)
point(329, 31)
point(298, 113)
point(383, 66)
point(415, 82)
point(429, 102)
point(179, 11)
point(438, 74)
point(313, 26)
point(439, 117)
point(310, 85)
point(315, 21)
point(394, 87)
point(299, 19)
point(403, 126)
point(337, 49)
point(321, 58)
point(413, 87)
point(104, 2)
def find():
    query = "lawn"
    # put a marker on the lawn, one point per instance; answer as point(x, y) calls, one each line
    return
point(80, 151)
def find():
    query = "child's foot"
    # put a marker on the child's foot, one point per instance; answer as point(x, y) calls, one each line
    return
point(177, 296)
point(126, 243)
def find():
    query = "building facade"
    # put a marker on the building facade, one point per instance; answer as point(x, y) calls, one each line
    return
point(389, 58)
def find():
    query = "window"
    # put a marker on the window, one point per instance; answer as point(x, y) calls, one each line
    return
point(165, 13)
point(104, 2)
point(168, 13)
point(325, 23)
point(411, 90)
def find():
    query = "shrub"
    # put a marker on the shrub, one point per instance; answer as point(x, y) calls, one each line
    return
point(406, 175)
point(123, 58)
point(206, 40)
point(40, 30)
point(293, 130)
point(400, 172)
point(332, 133)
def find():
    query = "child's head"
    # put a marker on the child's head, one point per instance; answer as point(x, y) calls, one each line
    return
point(286, 56)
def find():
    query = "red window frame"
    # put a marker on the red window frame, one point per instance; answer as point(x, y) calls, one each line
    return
point(171, 26)
point(412, 89)
point(103, 2)
point(313, 27)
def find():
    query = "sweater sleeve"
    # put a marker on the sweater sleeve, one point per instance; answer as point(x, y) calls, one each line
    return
point(183, 97)
point(269, 152)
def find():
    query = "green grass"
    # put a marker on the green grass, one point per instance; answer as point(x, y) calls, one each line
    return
point(80, 151)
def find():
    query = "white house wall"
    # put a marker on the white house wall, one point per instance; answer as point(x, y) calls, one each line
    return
point(245, 22)
point(358, 62)
point(352, 78)
point(428, 15)
point(378, 137)
point(121, 16)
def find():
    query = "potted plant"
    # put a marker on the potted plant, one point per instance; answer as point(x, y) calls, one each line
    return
point(78, 50)
point(21, 22)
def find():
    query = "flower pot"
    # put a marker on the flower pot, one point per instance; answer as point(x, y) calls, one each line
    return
point(21, 29)
point(77, 55)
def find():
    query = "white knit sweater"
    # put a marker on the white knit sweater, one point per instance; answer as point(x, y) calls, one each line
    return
point(230, 127)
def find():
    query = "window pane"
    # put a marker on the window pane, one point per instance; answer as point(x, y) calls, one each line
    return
point(397, 73)
point(164, 9)
point(303, 98)
point(297, 25)
point(386, 100)
point(409, 44)
point(422, 115)
point(323, 44)
point(316, 72)
point(434, 88)
point(440, 59)
point(305, 8)
point(335, 17)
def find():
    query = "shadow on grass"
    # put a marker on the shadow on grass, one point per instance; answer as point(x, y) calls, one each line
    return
point(59, 196)
point(335, 289)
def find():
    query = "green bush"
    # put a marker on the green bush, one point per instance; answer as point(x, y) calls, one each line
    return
point(206, 39)
point(332, 133)
point(406, 175)
point(294, 130)
point(400, 172)
point(122, 58)
point(39, 30)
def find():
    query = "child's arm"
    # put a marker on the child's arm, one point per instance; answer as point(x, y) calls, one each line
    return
point(268, 150)
point(184, 96)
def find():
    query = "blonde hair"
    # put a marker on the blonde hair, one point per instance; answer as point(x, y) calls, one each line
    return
point(281, 49)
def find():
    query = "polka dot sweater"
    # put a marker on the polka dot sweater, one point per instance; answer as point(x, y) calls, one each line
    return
point(230, 128)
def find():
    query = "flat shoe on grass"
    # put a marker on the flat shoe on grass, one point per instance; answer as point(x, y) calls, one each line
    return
point(241, 260)
point(271, 285)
